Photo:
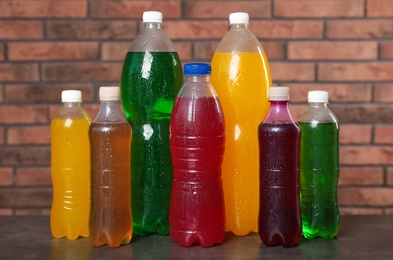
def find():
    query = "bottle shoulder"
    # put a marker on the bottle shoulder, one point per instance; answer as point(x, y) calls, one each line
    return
point(72, 113)
point(239, 40)
point(152, 40)
point(318, 114)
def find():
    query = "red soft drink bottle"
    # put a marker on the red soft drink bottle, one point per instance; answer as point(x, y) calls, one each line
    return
point(197, 213)
point(279, 136)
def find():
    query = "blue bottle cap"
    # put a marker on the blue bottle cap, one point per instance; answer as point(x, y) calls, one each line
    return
point(197, 69)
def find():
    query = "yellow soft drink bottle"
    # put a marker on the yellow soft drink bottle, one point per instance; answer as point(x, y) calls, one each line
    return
point(70, 168)
point(241, 77)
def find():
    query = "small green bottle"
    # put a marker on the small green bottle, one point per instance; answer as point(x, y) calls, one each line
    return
point(319, 168)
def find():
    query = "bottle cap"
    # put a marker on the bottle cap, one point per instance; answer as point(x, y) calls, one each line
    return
point(152, 17)
point(110, 93)
point(197, 69)
point(239, 17)
point(279, 93)
point(71, 96)
point(318, 96)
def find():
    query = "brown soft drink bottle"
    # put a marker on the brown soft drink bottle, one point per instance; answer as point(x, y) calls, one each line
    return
point(110, 140)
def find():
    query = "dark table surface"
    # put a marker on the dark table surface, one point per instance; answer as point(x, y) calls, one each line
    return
point(360, 237)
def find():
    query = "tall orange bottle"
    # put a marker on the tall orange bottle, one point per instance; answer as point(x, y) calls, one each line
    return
point(70, 168)
point(241, 77)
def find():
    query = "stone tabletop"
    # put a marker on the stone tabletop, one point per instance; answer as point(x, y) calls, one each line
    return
point(360, 237)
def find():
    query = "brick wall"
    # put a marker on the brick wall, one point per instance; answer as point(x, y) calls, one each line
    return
point(343, 46)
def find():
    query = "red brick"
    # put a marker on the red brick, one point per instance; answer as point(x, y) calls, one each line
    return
point(360, 211)
point(361, 176)
point(389, 178)
point(366, 155)
point(6, 177)
point(43, 9)
point(363, 113)
point(6, 212)
point(28, 135)
point(383, 93)
point(292, 71)
point(91, 29)
point(114, 51)
point(365, 196)
point(332, 50)
point(2, 55)
point(35, 197)
point(337, 92)
point(134, 9)
point(359, 29)
point(184, 50)
point(386, 50)
point(33, 177)
point(291, 29)
point(43, 51)
point(179, 30)
point(383, 134)
point(81, 71)
point(379, 8)
point(205, 50)
point(44, 93)
point(23, 114)
point(18, 72)
point(222, 9)
point(355, 134)
point(360, 71)
point(319, 9)
point(11, 30)
point(25, 155)
point(32, 212)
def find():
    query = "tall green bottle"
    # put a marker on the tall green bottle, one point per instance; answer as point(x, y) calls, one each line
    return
point(319, 168)
point(151, 78)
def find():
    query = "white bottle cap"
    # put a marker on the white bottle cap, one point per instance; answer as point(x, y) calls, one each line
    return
point(110, 93)
point(318, 96)
point(71, 96)
point(152, 17)
point(279, 93)
point(239, 17)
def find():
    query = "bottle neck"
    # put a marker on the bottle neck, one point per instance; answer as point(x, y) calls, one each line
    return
point(279, 106)
point(239, 26)
point(152, 26)
point(198, 78)
point(318, 104)
point(71, 104)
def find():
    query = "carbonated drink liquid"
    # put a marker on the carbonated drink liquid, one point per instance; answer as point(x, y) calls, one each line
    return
point(279, 137)
point(241, 77)
point(110, 138)
point(151, 78)
point(197, 213)
point(70, 168)
point(319, 168)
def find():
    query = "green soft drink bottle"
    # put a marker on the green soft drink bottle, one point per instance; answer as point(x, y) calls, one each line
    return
point(319, 168)
point(151, 78)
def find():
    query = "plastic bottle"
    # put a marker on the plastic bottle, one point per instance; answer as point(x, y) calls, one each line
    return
point(279, 137)
point(241, 77)
point(70, 168)
point(319, 168)
point(110, 141)
point(151, 78)
point(197, 138)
